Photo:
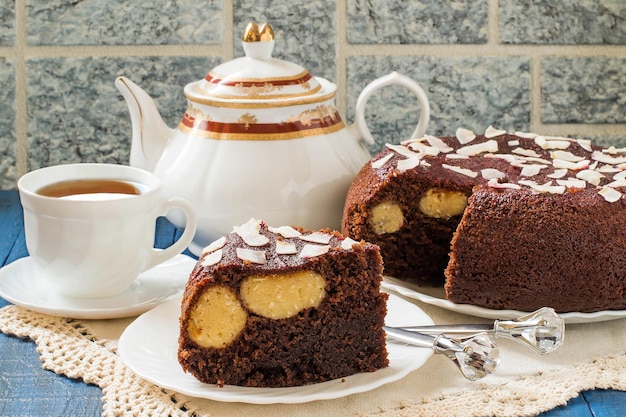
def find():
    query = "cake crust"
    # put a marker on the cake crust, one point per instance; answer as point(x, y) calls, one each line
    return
point(539, 250)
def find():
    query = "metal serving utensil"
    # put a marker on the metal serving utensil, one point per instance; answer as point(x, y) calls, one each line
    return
point(542, 330)
point(476, 356)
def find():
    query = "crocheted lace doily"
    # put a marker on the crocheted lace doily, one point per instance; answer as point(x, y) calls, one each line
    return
point(68, 347)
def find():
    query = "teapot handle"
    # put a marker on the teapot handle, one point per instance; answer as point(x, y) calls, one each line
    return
point(393, 78)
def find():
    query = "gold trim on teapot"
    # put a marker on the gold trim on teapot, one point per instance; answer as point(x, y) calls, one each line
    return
point(323, 119)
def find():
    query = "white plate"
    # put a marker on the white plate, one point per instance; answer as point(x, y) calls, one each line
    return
point(149, 347)
point(436, 296)
point(22, 285)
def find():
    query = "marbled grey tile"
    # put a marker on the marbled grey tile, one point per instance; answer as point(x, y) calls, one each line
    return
point(563, 22)
point(417, 21)
point(583, 90)
point(121, 22)
point(7, 19)
point(305, 31)
point(75, 113)
point(609, 140)
point(463, 92)
point(8, 172)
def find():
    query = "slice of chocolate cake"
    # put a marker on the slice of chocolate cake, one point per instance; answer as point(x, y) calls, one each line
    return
point(279, 307)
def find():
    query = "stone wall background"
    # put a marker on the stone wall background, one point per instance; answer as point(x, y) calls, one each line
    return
point(554, 67)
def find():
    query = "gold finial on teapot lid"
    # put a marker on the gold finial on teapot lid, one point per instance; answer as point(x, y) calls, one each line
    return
point(266, 33)
point(254, 33)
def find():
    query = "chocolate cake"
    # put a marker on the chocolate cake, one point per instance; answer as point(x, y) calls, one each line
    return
point(280, 307)
point(505, 221)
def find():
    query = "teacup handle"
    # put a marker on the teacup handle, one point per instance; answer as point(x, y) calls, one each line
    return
point(393, 78)
point(159, 256)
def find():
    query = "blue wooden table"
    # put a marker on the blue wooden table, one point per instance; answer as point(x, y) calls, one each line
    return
point(28, 390)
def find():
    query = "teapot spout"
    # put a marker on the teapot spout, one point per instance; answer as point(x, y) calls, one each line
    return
point(149, 132)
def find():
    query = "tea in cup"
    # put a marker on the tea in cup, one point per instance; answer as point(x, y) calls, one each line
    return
point(90, 227)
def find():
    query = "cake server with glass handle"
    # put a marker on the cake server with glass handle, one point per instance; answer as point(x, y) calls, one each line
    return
point(542, 330)
point(476, 356)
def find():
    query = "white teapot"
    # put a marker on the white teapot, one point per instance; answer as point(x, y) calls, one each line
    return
point(261, 137)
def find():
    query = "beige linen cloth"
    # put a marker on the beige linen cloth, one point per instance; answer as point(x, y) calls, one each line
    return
point(525, 384)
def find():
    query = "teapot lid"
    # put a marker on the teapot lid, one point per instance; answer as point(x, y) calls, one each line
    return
point(257, 75)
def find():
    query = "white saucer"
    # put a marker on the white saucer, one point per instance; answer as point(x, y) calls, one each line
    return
point(148, 346)
point(437, 296)
point(21, 285)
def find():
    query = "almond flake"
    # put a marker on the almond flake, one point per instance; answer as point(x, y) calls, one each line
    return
point(424, 149)
point(382, 161)
point(538, 160)
point(592, 177)
point(489, 146)
point(459, 170)
point(254, 239)
point(285, 248)
point(559, 163)
point(572, 183)
point(408, 163)
point(311, 251)
point(617, 184)
point(558, 173)
point(545, 188)
point(608, 169)
point(251, 255)
point(540, 141)
point(401, 150)
point(215, 245)
point(212, 258)
point(284, 231)
point(250, 233)
point(528, 183)
point(456, 156)
point(491, 173)
point(491, 132)
point(495, 184)
point(526, 135)
point(607, 159)
point(558, 144)
point(544, 143)
point(513, 143)
point(317, 237)
point(251, 226)
point(438, 143)
point(566, 156)
point(612, 150)
point(526, 152)
point(621, 176)
point(347, 243)
point(560, 138)
point(464, 136)
point(531, 170)
point(551, 189)
point(610, 194)
point(507, 157)
point(412, 140)
point(585, 144)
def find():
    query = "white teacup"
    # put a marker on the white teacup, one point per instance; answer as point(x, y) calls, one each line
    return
point(95, 242)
